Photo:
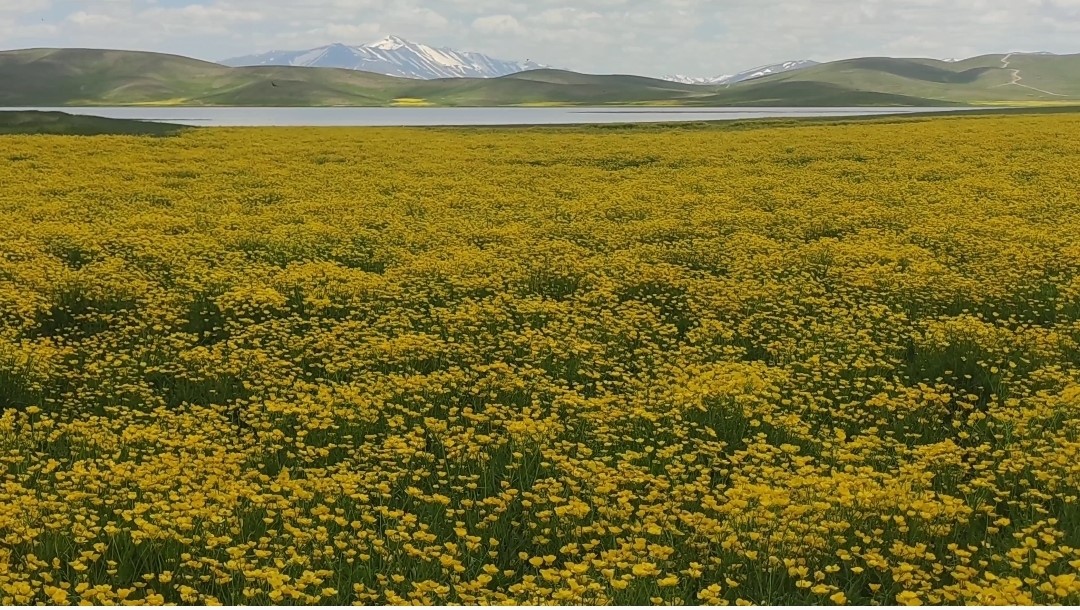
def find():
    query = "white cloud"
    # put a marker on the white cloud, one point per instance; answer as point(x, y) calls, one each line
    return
point(91, 20)
point(565, 16)
point(651, 37)
point(419, 17)
point(24, 7)
point(348, 31)
point(498, 24)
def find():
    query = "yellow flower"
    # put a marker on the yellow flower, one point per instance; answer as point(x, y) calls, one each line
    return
point(644, 569)
point(281, 360)
point(668, 581)
point(908, 598)
point(57, 595)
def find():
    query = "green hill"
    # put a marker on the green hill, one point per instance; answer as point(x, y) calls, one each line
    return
point(91, 77)
point(71, 77)
point(984, 79)
point(552, 86)
point(808, 94)
point(61, 123)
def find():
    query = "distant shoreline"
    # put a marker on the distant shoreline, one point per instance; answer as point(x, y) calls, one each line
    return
point(26, 122)
point(460, 117)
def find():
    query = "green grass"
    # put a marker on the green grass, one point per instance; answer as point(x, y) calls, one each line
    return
point(1059, 74)
point(787, 121)
point(61, 123)
point(809, 94)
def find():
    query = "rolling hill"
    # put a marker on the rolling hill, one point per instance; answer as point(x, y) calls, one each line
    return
point(90, 77)
point(72, 77)
point(1016, 77)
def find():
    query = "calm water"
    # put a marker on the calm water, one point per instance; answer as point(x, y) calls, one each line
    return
point(284, 117)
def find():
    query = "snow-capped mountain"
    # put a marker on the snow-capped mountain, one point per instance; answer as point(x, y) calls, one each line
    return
point(697, 80)
point(392, 56)
point(731, 79)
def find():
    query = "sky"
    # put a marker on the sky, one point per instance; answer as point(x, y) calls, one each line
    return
point(648, 37)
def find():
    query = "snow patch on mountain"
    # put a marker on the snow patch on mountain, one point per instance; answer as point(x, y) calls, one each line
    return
point(393, 56)
point(745, 75)
point(696, 80)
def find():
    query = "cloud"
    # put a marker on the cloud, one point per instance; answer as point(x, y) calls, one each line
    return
point(348, 31)
point(565, 16)
point(652, 37)
point(419, 17)
point(91, 20)
point(498, 24)
point(204, 13)
point(24, 7)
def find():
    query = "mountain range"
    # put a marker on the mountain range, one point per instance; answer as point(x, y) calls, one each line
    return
point(396, 56)
point(392, 56)
point(97, 77)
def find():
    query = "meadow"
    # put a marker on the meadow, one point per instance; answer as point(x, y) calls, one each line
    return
point(796, 363)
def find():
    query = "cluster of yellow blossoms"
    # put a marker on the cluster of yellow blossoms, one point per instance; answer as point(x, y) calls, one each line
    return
point(779, 364)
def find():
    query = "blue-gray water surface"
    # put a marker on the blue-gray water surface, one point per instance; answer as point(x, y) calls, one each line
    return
point(372, 117)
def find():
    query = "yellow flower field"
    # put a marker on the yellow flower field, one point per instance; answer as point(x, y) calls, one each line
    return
point(820, 363)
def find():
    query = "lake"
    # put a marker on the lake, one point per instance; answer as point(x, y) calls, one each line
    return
point(372, 117)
